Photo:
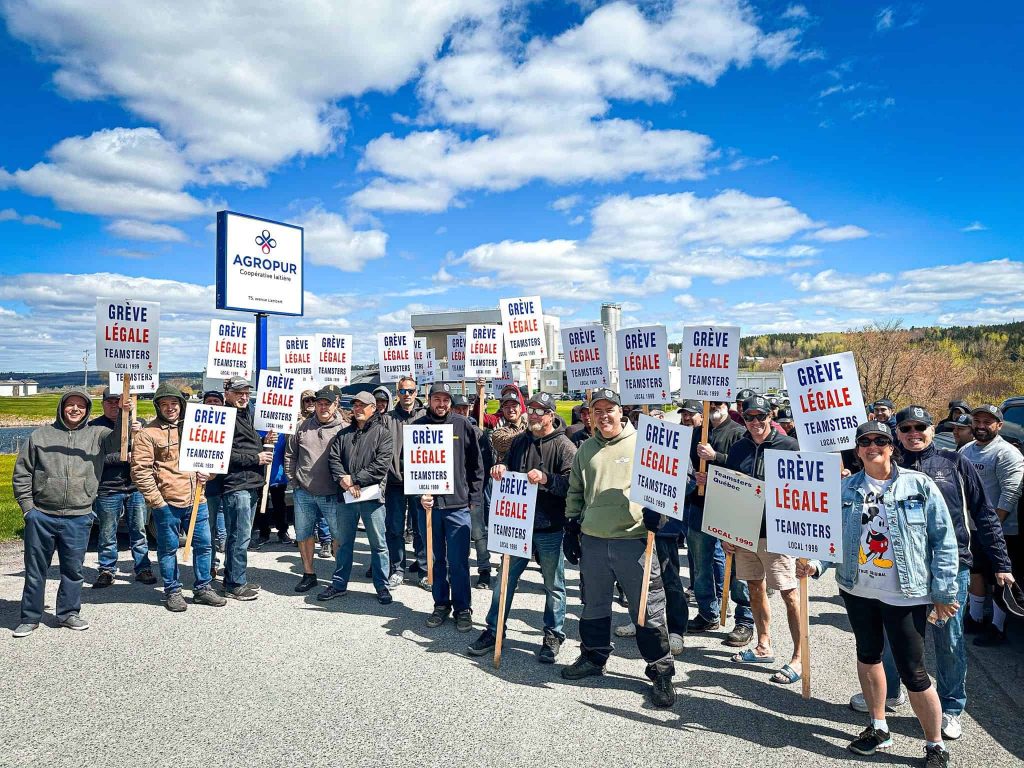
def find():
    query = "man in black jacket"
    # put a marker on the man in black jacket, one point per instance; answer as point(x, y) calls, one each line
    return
point(241, 489)
point(119, 497)
point(360, 457)
point(397, 504)
point(450, 518)
point(544, 454)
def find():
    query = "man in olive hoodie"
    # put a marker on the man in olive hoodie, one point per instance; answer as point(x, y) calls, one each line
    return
point(56, 478)
point(605, 533)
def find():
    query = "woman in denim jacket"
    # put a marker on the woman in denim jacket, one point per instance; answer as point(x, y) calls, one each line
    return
point(899, 563)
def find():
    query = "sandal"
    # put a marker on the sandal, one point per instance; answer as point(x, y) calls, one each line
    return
point(748, 656)
point(785, 676)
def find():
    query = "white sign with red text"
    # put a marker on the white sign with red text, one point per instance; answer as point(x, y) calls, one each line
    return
point(456, 356)
point(483, 352)
point(428, 461)
point(296, 356)
point(394, 351)
point(142, 383)
point(513, 506)
point(277, 402)
point(586, 357)
point(804, 504)
point(127, 336)
point(643, 365)
point(661, 461)
point(232, 349)
point(826, 400)
point(710, 362)
point(206, 438)
point(733, 507)
point(523, 324)
point(333, 361)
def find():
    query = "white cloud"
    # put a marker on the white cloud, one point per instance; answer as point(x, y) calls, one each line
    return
point(835, 234)
point(382, 195)
point(884, 19)
point(29, 219)
point(796, 12)
point(974, 226)
point(566, 203)
point(330, 241)
point(144, 230)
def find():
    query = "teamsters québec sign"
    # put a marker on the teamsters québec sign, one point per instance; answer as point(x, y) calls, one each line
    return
point(259, 265)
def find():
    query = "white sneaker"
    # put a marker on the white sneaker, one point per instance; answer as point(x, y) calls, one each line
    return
point(951, 727)
point(857, 703)
point(626, 630)
point(675, 643)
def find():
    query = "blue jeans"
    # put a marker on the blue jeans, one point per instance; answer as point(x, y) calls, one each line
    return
point(218, 531)
point(323, 528)
point(69, 536)
point(169, 520)
point(346, 518)
point(397, 505)
point(450, 533)
point(548, 547)
point(709, 578)
point(950, 656)
point(108, 511)
point(239, 512)
point(310, 510)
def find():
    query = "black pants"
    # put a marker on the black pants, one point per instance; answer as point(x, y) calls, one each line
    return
point(904, 627)
point(666, 549)
point(276, 516)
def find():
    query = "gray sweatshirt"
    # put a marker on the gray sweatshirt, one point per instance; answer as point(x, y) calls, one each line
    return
point(306, 459)
point(1001, 467)
point(58, 469)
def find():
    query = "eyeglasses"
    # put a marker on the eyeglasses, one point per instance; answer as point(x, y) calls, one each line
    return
point(755, 416)
point(407, 391)
point(905, 428)
point(880, 442)
point(308, 400)
point(537, 411)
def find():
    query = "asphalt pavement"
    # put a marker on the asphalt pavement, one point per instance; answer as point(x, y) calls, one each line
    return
point(287, 680)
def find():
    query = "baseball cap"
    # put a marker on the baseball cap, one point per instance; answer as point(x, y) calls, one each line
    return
point(744, 394)
point(307, 394)
point(885, 402)
point(510, 397)
point(875, 428)
point(327, 393)
point(693, 406)
point(108, 396)
point(441, 388)
point(915, 413)
point(961, 404)
point(364, 397)
point(458, 400)
point(603, 393)
point(214, 393)
point(991, 410)
point(963, 420)
point(544, 400)
point(785, 415)
point(756, 403)
point(236, 384)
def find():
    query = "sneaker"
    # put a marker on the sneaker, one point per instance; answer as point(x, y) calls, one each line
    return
point(24, 630)
point(306, 583)
point(700, 624)
point(972, 627)
point(740, 636)
point(145, 577)
point(870, 741)
point(951, 728)
point(105, 579)
point(675, 643)
point(484, 580)
point(206, 596)
point(75, 622)
point(935, 756)
point(483, 644)
point(437, 618)
point(464, 620)
point(384, 597)
point(581, 668)
point(257, 543)
point(549, 648)
point(176, 602)
point(857, 703)
point(663, 695)
point(425, 584)
point(284, 538)
point(990, 637)
point(626, 630)
point(396, 579)
point(242, 592)
point(331, 592)
point(325, 550)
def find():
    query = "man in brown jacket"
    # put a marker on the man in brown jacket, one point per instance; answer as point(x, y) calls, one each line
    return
point(169, 494)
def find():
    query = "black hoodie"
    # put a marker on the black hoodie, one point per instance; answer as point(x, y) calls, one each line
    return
point(747, 457)
point(116, 473)
point(467, 461)
point(244, 469)
point(553, 455)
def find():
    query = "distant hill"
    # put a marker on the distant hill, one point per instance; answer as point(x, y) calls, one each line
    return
point(74, 378)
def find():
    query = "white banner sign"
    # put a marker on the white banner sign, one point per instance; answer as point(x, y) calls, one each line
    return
point(394, 351)
point(643, 365)
point(661, 461)
point(710, 362)
point(513, 505)
point(827, 403)
point(427, 455)
point(483, 352)
point(206, 438)
point(424, 359)
point(333, 362)
point(277, 402)
point(232, 349)
point(259, 265)
point(142, 383)
point(586, 357)
point(456, 356)
point(297, 356)
point(127, 336)
point(733, 507)
point(523, 324)
point(804, 504)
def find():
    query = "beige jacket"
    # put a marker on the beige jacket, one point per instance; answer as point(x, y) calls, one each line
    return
point(155, 467)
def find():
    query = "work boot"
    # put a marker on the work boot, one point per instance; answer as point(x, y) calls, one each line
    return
point(206, 596)
point(549, 648)
point(740, 636)
point(464, 620)
point(104, 579)
point(581, 668)
point(145, 577)
point(662, 693)
point(176, 603)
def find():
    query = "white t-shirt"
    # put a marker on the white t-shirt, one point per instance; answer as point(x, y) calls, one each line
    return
point(877, 577)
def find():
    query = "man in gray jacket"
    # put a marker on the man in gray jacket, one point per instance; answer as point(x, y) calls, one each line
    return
point(56, 478)
point(307, 466)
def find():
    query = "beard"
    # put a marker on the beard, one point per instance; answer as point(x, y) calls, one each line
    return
point(982, 435)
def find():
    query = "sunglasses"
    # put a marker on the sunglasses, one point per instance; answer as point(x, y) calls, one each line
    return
point(407, 391)
point(905, 428)
point(755, 416)
point(880, 442)
point(537, 411)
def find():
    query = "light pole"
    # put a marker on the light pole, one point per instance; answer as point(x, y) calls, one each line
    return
point(85, 367)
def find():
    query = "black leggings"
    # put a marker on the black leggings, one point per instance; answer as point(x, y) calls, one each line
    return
point(904, 625)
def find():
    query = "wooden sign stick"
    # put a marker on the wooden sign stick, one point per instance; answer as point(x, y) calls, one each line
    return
point(529, 381)
point(126, 413)
point(705, 425)
point(266, 479)
point(726, 583)
point(502, 603)
point(641, 611)
point(430, 542)
point(192, 521)
point(805, 636)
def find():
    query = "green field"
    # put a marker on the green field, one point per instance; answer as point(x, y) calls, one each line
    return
point(11, 524)
point(44, 408)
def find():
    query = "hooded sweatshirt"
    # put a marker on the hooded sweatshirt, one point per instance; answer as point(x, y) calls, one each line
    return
point(599, 483)
point(116, 473)
point(155, 459)
point(553, 455)
point(467, 461)
point(58, 468)
point(306, 459)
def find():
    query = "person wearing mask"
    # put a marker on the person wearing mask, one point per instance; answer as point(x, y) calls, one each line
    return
point(169, 493)
point(450, 518)
point(360, 457)
point(397, 505)
point(1001, 467)
point(545, 455)
point(307, 467)
point(242, 488)
point(479, 513)
point(583, 429)
point(56, 479)
point(118, 497)
point(899, 565)
point(605, 533)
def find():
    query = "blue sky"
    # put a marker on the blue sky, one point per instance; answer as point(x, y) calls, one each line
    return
point(779, 166)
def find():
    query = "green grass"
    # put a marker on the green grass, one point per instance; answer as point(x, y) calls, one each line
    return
point(11, 522)
point(44, 407)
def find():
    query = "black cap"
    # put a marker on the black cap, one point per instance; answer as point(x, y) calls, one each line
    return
point(991, 410)
point(886, 402)
point(756, 403)
point(915, 413)
point(963, 420)
point(961, 404)
point(773, 401)
point(875, 428)
point(785, 415)
point(693, 406)
point(330, 392)
point(213, 393)
point(510, 397)
point(744, 394)
point(603, 393)
point(459, 400)
point(544, 400)
point(441, 388)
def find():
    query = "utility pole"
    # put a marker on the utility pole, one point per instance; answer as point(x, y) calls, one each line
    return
point(85, 367)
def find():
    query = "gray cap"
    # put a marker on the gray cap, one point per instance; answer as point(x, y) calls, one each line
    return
point(108, 396)
point(236, 384)
point(365, 398)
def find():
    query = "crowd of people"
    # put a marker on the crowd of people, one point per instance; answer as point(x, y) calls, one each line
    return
point(930, 535)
